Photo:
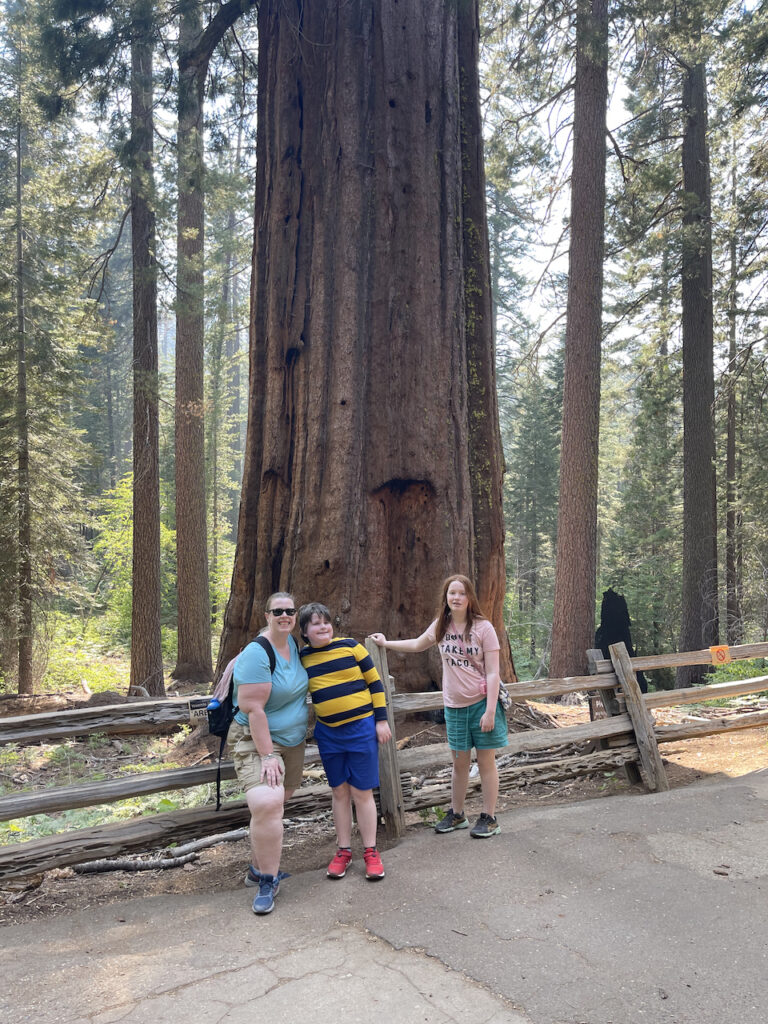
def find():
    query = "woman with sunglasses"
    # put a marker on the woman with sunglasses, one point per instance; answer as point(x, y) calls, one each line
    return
point(267, 738)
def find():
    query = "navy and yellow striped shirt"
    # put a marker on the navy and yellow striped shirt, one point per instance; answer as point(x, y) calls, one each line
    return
point(344, 683)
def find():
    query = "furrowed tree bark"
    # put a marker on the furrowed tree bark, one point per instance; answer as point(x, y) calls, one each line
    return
point(486, 462)
point(359, 487)
point(194, 613)
point(573, 625)
point(734, 621)
point(146, 651)
point(23, 618)
point(699, 598)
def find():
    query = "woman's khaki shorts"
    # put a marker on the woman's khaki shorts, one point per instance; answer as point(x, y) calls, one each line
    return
point(248, 762)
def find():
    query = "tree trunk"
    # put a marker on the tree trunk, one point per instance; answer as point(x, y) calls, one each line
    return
point(573, 625)
point(370, 328)
point(734, 623)
point(699, 598)
point(234, 417)
point(194, 614)
point(146, 653)
point(218, 428)
point(24, 621)
point(486, 463)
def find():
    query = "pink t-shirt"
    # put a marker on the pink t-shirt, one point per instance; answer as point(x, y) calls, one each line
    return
point(464, 679)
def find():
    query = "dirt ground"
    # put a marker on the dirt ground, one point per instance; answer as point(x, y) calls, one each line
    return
point(309, 843)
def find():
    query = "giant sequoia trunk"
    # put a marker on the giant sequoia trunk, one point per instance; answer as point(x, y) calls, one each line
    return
point(573, 623)
point(699, 605)
point(372, 466)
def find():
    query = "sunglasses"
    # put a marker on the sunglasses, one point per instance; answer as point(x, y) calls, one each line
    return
point(277, 612)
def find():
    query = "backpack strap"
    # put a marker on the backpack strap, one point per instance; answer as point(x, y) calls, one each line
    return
point(222, 744)
point(270, 652)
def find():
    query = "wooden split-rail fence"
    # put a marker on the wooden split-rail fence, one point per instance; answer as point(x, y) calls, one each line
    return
point(626, 738)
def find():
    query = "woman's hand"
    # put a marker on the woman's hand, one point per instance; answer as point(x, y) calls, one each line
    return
point(383, 732)
point(488, 721)
point(271, 770)
point(378, 638)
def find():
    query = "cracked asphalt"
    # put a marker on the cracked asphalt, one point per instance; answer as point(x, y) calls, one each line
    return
point(627, 910)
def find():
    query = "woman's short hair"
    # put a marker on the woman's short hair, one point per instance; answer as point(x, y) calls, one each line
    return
point(279, 593)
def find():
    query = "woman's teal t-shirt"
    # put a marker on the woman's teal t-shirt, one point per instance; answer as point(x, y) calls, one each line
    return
point(286, 709)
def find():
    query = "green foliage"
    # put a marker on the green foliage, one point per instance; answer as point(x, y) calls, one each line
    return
point(749, 668)
point(58, 167)
point(114, 547)
point(78, 653)
point(643, 543)
point(530, 391)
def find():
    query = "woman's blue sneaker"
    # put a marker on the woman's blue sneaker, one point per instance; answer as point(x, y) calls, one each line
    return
point(264, 903)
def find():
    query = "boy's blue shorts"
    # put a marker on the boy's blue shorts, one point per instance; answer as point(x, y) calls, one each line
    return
point(464, 732)
point(350, 753)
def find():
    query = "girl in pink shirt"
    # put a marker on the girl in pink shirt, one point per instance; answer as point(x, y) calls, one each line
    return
point(469, 649)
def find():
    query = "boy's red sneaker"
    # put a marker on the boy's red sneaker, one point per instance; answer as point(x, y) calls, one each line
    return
point(338, 866)
point(374, 869)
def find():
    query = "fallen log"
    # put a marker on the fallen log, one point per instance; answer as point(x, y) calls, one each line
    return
point(92, 867)
point(514, 776)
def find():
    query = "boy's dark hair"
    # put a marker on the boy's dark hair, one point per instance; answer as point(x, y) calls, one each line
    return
point(308, 610)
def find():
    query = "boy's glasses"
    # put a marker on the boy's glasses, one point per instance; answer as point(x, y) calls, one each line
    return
point(277, 612)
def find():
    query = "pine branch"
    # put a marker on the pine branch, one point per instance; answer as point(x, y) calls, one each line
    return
point(217, 27)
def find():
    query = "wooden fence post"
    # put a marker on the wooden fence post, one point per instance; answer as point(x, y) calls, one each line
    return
point(611, 704)
point(390, 787)
point(642, 720)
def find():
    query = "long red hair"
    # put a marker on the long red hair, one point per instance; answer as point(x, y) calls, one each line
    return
point(474, 611)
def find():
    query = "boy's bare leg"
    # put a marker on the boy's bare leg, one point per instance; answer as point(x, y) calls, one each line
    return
point(367, 818)
point(341, 803)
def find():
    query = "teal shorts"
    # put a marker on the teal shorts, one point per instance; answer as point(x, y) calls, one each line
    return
point(464, 732)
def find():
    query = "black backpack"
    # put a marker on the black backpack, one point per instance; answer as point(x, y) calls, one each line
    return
point(221, 713)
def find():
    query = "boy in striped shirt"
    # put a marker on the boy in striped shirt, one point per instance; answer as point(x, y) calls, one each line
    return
point(350, 705)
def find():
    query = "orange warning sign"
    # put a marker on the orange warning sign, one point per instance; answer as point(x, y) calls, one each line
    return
point(721, 655)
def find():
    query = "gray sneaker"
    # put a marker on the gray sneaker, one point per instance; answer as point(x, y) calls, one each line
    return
point(451, 821)
point(485, 826)
point(252, 878)
point(269, 886)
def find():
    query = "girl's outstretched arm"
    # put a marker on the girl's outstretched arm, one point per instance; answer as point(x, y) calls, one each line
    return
point(413, 646)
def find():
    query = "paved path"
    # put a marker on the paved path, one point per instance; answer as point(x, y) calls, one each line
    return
point(619, 911)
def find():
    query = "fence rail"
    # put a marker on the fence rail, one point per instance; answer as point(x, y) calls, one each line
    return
point(628, 738)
